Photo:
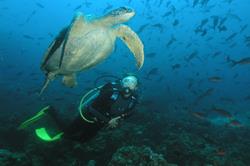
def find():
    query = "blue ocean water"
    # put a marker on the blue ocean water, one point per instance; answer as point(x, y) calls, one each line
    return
point(196, 68)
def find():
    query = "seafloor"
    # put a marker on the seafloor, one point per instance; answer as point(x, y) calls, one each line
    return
point(145, 139)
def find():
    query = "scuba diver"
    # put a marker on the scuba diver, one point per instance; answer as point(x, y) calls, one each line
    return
point(101, 107)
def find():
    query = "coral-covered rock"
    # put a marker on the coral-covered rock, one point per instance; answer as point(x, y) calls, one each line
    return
point(141, 156)
point(8, 158)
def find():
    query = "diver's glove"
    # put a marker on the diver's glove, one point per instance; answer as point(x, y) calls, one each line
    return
point(113, 122)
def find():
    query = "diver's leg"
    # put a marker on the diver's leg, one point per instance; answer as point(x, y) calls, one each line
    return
point(53, 113)
point(80, 130)
point(91, 131)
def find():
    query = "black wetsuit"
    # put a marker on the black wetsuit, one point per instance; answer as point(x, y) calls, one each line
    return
point(108, 104)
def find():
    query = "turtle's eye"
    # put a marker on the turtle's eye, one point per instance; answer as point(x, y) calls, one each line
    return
point(125, 10)
point(114, 12)
point(120, 11)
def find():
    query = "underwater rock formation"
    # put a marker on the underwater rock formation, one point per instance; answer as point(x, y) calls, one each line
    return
point(142, 156)
point(8, 158)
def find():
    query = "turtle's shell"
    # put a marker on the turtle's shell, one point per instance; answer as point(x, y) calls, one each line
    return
point(83, 45)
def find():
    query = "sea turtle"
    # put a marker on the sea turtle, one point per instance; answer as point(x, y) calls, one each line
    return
point(87, 42)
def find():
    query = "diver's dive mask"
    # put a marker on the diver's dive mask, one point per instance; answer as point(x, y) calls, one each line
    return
point(129, 85)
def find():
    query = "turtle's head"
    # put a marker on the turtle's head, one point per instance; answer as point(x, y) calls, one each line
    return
point(121, 14)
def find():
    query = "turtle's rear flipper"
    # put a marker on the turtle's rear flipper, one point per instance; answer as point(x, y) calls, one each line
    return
point(70, 80)
point(45, 85)
point(130, 38)
point(50, 77)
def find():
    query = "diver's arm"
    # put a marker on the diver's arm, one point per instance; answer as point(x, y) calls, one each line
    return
point(101, 101)
point(127, 113)
point(104, 95)
point(114, 122)
point(130, 109)
point(98, 115)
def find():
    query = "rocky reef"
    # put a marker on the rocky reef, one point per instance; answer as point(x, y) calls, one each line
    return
point(141, 156)
point(146, 139)
point(8, 158)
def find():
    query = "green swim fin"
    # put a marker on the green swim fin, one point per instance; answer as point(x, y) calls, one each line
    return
point(33, 119)
point(43, 135)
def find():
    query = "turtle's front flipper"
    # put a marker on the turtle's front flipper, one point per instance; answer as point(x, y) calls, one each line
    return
point(70, 80)
point(133, 42)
